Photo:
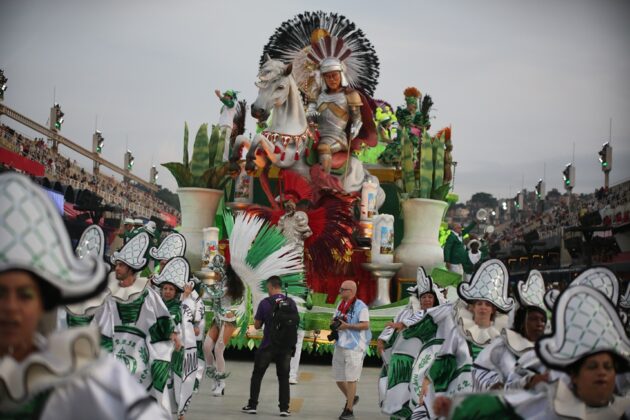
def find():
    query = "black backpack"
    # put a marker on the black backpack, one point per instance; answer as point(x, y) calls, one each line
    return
point(284, 324)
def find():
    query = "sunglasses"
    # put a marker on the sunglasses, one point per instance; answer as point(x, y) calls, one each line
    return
point(341, 289)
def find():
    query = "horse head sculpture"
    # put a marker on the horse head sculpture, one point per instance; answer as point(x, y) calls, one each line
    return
point(284, 141)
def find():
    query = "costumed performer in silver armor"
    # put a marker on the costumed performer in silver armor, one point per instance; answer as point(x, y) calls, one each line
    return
point(336, 107)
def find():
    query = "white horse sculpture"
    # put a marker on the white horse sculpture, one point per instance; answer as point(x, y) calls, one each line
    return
point(284, 142)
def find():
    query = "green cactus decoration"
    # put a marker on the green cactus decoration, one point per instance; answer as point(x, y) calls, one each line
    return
point(407, 163)
point(430, 179)
point(185, 159)
point(205, 169)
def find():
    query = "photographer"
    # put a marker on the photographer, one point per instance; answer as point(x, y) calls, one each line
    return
point(275, 345)
point(351, 332)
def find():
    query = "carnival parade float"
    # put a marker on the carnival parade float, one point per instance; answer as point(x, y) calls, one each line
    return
point(334, 185)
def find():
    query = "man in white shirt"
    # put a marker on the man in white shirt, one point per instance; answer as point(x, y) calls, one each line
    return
point(352, 325)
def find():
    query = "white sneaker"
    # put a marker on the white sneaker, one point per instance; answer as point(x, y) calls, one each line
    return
point(219, 390)
point(293, 381)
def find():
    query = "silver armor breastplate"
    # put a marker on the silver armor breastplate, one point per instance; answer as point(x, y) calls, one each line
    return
point(329, 123)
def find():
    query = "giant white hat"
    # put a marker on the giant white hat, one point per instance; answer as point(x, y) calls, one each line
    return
point(174, 245)
point(489, 283)
point(176, 272)
point(132, 253)
point(584, 323)
point(91, 243)
point(532, 291)
point(33, 238)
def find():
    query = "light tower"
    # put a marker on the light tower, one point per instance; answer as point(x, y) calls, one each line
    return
point(605, 159)
point(129, 159)
point(98, 142)
point(3, 84)
point(153, 175)
point(56, 120)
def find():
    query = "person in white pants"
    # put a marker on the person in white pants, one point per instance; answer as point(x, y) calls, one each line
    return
point(295, 360)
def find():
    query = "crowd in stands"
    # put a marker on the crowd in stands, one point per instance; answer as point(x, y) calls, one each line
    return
point(613, 206)
point(133, 201)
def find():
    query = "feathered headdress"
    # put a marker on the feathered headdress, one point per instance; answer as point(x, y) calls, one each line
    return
point(295, 187)
point(259, 251)
point(411, 95)
point(312, 37)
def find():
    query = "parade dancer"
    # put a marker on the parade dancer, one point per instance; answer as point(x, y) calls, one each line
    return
point(199, 326)
point(592, 363)
point(226, 120)
point(226, 301)
point(498, 360)
point(400, 348)
point(176, 293)
point(135, 324)
point(529, 370)
point(46, 374)
point(460, 331)
point(91, 244)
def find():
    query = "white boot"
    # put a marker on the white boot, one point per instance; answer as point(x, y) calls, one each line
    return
point(219, 390)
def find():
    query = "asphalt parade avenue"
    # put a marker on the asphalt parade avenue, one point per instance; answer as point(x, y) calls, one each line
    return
point(315, 397)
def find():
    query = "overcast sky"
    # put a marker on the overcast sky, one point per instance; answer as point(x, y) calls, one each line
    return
point(520, 82)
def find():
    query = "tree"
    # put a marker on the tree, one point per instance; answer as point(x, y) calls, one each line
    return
point(168, 197)
point(554, 194)
point(482, 199)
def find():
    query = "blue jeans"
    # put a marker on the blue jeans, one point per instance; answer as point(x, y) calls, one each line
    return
point(264, 357)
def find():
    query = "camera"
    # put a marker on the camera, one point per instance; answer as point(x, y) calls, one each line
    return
point(334, 329)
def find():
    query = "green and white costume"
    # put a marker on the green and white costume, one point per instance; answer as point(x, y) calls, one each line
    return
point(581, 313)
point(184, 360)
point(401, 357)
point(65, 376)
point(199, 321)
point(136, 326)
point(458, 339)
point(529, 364)
point(498, 360)
point(91, 244)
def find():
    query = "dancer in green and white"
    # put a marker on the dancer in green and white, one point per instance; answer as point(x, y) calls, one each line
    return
point(402, 348)
point(460, 331)
point(176, 289)
point(46, 374)
point(592, 363)
point(135, 325)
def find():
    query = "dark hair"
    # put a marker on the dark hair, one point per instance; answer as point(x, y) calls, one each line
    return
point(436, 302)
point(521, 315)
point(51, 296)
point(275, 282)
point(619, 363)
point(235, 286)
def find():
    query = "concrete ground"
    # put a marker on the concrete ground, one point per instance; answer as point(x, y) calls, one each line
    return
point(315, 397)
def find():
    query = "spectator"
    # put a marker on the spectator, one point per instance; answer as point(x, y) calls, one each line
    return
point(351, 324)
point(267, 352)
